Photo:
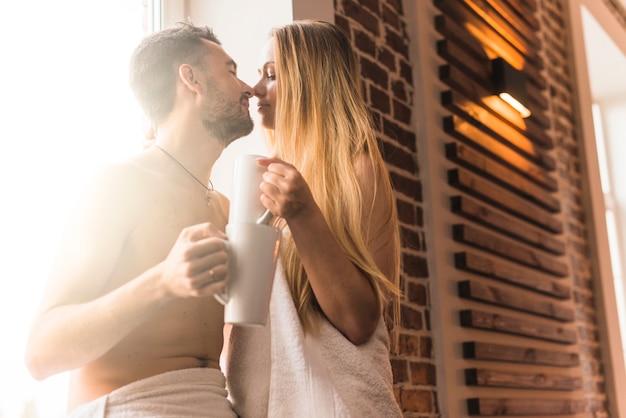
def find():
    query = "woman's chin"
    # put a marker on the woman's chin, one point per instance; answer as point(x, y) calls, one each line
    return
point(267, 123)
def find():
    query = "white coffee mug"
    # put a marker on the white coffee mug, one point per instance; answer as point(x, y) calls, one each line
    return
point(252, 264)
point(245, 202)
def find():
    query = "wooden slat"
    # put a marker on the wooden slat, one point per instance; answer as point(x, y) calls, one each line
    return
point(488, 36)
point(516, 354)
point(469, 132)
point(512, 27)
point(502, 175)
point(460, 78)
point(513, 407)
point(502, 379)
point(501, 153)
point(526, 8)
point(472, 64)
point(478, 69)
point(503, 199)
point(508, 225)
point(524, 255)
point(514, 299)
point(506, 272)
point(465, 34)
point(510, 325)
point(536, 82)
point(478, 108)
point(525, 23)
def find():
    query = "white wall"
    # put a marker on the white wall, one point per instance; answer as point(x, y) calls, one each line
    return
point(242, 26)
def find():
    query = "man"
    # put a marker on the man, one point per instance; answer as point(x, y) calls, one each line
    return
point(129, 307)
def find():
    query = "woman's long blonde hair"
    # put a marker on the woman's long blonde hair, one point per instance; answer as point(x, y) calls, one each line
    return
point(322, 123)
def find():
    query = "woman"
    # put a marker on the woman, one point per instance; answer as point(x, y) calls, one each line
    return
point(325, 351)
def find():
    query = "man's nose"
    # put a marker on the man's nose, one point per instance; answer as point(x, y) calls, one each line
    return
point(247, 90)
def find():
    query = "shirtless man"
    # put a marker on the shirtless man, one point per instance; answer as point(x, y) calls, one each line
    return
point(129, 307)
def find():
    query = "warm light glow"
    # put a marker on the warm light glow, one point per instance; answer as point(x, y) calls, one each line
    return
point(75, 113)
point(515, 104)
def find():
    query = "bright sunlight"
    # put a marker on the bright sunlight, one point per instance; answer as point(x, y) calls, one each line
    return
point(65, 108)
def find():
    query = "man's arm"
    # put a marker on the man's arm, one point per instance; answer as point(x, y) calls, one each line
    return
point(79, 320)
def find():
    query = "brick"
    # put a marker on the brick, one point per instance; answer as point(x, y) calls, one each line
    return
point(409, 187)
point(406, 212)
point(420, 216)
point(400, 370)
point(343, 23)
point(401, 112)
point(411, 239)
point(372, 5)
point(408, 345)
point(387, 59)
point(364, 42)
point(411, 318)
point(396, 5)
point(399, 90)
point(413, 400)
point(372, 71)
point(379, 99)
point(423, 374)
point(406, 71)
point(403, 136)
point(398, 157)
point(397, 43)
point(353, 10)
point(417, 294)
point(391, 17)
point(426, 347)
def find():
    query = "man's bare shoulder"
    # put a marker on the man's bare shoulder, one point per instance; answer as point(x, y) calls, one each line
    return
point(118, 190)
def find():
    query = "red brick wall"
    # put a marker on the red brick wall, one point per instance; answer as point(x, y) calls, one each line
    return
point(563, 114)
point(378, 30)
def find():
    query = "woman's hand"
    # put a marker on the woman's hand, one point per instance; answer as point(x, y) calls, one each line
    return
point(285, 192)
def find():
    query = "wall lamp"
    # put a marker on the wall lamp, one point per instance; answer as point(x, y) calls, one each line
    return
point(510, 84)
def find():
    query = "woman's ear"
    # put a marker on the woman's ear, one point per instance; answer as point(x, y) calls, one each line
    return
point(189, 77)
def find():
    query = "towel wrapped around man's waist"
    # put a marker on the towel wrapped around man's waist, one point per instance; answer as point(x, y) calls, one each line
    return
point(194, 392)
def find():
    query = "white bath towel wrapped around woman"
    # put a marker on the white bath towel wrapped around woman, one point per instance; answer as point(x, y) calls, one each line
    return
point(276, 371)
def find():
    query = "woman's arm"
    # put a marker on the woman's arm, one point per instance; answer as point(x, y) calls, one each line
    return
point(343, 292)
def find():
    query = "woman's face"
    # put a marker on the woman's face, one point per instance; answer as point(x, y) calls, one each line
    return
point(265, 89)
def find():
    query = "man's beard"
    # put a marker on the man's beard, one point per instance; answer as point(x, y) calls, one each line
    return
point(225, 119)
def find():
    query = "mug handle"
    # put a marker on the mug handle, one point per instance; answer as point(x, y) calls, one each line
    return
point(223, 297)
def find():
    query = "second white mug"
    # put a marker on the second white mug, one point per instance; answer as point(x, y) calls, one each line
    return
point(245, 203)
point(253, 256)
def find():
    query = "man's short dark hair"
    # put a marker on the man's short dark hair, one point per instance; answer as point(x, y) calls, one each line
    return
point(154, 65)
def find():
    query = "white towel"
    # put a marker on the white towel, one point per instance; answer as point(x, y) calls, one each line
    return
point(325, 376)
point(195, 392)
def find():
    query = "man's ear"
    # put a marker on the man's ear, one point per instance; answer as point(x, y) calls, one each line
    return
point(189, 77)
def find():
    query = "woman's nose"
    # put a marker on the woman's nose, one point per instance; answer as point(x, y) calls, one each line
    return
point(259, 89)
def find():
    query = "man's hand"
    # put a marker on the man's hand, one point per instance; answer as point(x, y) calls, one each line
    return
point(197, 264)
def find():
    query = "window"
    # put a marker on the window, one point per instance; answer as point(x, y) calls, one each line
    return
point(612, 214)
point(65, 108)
